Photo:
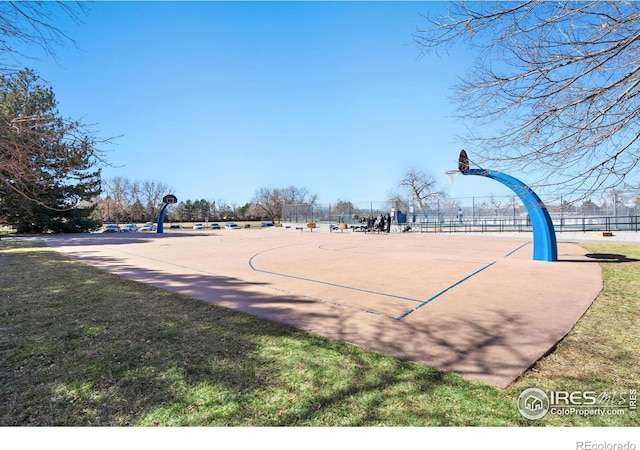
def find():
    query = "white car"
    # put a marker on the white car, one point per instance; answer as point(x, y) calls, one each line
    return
point(198, 226)
point(111, 228)
point(130, 227)
point(149, 226)
point(232, 226)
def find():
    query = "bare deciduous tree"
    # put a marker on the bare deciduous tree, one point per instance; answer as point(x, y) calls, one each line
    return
point(496, 203)
point(151, 193)
point(127, 200)
point(293, 195)
point(555, 88)
point(118, 193)
point(418, 186)
point(268, 202)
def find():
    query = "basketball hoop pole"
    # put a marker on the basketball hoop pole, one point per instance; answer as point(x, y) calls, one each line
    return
point(545, 247)
point(167, 200)
point(160, 228)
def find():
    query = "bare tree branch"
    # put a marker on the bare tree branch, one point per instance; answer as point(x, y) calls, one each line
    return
point(33, 24)
point(554, 89)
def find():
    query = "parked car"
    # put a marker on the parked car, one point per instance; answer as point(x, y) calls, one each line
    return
point(232, 226)
point(198, 226)
point(175, 227)
point(266, 224)
point(149, 226)
point(130, 227)
point(111, 228)
point(214, 226)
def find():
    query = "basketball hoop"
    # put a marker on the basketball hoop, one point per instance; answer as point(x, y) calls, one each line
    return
point(452, 174)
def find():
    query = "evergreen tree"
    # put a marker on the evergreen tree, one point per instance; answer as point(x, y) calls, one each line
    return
point(47, 180)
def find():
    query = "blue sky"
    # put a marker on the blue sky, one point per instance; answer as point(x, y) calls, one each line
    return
point(219, 99)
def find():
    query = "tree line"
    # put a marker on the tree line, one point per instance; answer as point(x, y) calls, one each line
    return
point(131, 201)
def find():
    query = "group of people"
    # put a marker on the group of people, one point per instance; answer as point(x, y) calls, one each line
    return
point(380, 223)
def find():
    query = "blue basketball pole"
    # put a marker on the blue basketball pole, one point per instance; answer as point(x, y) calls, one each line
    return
point(161, 219)
point(168, 199)
point(545, 247)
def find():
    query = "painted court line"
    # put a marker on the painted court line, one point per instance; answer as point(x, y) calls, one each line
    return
point(426, 302)
point(367, 291)
point(369, 311)
point(326, 283)
point(516, 249)
point(422, 303)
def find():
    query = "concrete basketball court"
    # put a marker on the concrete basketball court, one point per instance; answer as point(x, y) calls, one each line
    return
point(475, 305)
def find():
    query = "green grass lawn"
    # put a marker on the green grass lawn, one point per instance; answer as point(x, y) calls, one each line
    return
point(79, 346)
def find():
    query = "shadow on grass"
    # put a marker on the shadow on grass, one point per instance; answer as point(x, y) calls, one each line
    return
point(610, 258)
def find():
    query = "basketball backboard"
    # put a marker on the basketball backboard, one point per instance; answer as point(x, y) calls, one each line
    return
point(170, 199)
point(463, 161)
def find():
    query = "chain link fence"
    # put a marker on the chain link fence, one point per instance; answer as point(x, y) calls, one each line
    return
point(474, 214)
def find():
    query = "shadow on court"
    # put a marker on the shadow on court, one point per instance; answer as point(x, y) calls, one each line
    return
point(490, 324)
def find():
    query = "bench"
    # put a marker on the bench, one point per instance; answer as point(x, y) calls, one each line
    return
point(369, 229)
point(310, 225)
point(341, 226)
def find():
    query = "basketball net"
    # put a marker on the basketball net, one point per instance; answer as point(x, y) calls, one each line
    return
point(452, 174)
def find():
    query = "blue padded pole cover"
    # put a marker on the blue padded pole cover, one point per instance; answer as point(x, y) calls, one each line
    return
point(160, 228)
point(545, 247)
